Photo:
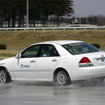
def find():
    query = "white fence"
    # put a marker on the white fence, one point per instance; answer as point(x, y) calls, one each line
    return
point(53, 28)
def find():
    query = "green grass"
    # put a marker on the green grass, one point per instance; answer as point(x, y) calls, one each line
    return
point(18, 40)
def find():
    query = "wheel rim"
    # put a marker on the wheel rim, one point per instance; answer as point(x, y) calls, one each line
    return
point(3, 76)
point(62, 78)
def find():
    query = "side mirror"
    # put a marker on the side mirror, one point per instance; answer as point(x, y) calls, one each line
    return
point(18, 56)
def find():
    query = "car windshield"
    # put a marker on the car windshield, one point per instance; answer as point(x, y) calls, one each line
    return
point(80, 48)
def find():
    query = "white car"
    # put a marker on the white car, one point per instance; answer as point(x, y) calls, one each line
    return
point(59, 61)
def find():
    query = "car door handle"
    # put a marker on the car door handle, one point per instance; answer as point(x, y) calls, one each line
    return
point(54, 60)
point(32, 61)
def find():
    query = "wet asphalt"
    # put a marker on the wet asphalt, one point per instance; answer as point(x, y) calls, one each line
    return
point(45, 93)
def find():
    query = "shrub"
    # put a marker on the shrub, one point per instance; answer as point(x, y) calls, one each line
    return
point(96, 45)
point(3, 47)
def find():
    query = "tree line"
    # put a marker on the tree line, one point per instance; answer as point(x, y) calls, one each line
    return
point(44, 12)
point(92, 20)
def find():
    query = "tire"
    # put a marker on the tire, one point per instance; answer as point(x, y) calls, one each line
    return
point(61, 78)
point(3, 76)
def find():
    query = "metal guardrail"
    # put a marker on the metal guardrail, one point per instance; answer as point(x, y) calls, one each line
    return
point(52, 28)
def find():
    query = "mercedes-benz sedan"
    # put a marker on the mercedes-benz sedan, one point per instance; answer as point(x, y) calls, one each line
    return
point(59, 61)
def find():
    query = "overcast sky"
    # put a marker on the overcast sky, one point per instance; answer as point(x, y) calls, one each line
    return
point(84, 8)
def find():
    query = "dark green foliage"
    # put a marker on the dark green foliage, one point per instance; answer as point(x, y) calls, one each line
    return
point(14, 11)
point(96, 45)
point(3, 47)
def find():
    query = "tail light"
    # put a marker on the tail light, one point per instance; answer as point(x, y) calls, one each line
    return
point(85, 62)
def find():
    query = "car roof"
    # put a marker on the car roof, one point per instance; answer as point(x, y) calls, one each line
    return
point(60, 42)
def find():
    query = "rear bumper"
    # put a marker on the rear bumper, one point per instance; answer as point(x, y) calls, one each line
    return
point(88, 72)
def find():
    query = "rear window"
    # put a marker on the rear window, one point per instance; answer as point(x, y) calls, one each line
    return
point(80, 48)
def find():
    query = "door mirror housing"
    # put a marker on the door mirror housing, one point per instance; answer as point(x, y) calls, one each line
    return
point(18, 56)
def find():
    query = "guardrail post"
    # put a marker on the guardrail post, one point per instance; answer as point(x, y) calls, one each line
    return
point(43, 28)
point(95, 28)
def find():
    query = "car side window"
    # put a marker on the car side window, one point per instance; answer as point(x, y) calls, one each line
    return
point(48, 51)
point(30, 52)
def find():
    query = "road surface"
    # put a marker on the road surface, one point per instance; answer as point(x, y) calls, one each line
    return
point(31, 93)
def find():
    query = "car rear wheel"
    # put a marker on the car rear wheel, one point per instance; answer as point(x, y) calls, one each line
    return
point(3, 76)
point(62, 78)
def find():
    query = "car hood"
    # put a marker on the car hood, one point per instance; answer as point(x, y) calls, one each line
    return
point(6, 60)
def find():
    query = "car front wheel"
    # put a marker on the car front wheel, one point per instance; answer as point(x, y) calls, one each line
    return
point(62, 78)
point(3, 76)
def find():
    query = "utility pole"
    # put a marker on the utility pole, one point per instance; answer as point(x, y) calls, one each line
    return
point(27, 14)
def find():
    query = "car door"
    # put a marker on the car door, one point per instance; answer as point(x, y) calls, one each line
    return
point(46, 62)
point(25, 66)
